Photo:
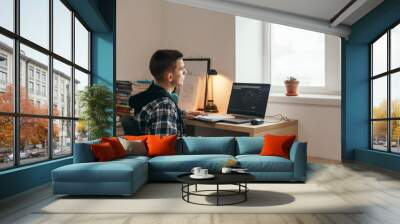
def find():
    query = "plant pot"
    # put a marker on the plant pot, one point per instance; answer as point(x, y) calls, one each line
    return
point(291, 87)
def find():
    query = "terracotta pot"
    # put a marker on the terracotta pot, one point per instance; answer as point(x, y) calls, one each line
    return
point(291, 87)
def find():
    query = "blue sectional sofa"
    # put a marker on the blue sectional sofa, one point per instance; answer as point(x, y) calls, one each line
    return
point(125, 176)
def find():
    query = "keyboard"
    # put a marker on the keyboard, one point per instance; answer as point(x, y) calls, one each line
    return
point(212, 117)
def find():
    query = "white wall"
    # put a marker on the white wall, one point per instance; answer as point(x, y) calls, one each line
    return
point(319, 125)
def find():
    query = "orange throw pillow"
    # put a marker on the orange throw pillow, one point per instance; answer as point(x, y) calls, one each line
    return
point(116, 145)
point(103, 152)
point(277, 145)
point(161, 145)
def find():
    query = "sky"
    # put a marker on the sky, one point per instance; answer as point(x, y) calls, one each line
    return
point(299, 53)
point(35, 27)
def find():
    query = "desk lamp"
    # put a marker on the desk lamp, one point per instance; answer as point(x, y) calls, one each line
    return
point(209, 103)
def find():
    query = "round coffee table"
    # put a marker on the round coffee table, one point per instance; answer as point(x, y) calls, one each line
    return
point(238, 179)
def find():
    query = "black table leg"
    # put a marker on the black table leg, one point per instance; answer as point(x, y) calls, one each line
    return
point(217, 194)
point(245, 193)
point(196, 188)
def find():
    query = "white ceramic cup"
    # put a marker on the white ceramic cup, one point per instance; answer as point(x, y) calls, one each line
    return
point(203, 172)
point(226, 170)
point(196, 171)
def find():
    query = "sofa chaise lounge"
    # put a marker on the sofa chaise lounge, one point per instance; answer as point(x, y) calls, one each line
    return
point(125, 176)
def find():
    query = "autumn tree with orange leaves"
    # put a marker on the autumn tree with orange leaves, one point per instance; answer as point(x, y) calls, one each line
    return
point(33, 131)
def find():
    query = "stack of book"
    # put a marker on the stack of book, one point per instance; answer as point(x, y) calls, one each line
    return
point(125, 89)
point(123, 92)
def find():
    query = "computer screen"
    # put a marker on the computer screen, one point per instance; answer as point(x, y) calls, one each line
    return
point(249, 99)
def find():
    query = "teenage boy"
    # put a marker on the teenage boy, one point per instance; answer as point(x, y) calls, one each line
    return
point(156, 110)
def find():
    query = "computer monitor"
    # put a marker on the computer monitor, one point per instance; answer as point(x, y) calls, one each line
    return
point(249, 99)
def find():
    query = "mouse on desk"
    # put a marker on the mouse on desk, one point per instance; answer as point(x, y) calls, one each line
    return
point(256, 121)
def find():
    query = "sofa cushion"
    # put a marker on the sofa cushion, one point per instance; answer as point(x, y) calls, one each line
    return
point(116, 145)
point(112, 171)
point(161, 145)
point(134, 147)
point(277, 145)
point(249, 145)
point(185, 163)
point(103, 152)
point(257, 163)
point(208, 145)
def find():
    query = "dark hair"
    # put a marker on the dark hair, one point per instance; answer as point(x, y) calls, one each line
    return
point(162, 60)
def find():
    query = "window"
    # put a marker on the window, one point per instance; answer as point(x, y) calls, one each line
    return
point(37, 74)
point(38, 89)
point(3, 61)
point(81, 45)
point(385, 94)
point(299, 53)
point(7, 14)
point(45, 131)
point(62, 29)
point(30, 87)
point(3, 78)
point(30, 72)
point(35, 21)
point(6, 75)
point(270, 53)
point(43, 90)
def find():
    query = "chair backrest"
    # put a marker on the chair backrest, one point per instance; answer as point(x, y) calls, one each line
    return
point(130, 126)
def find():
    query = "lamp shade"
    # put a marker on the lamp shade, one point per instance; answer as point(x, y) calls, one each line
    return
point(212, 72)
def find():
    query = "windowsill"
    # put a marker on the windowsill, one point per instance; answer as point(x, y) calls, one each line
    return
point(310, 99)
point(29, 166)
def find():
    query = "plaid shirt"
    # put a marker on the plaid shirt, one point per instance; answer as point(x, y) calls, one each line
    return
point(159, 117)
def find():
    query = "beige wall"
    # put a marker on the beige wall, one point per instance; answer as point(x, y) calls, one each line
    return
point(144, 26)
point(139, 34)
point(202, 33)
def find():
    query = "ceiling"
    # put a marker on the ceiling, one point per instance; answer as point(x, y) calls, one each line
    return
point(308, 14)
point(318, 9)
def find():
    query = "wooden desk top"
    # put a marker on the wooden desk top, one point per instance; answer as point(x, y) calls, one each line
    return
point(252, 130)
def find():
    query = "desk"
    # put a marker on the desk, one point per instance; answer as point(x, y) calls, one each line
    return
point(202, 128)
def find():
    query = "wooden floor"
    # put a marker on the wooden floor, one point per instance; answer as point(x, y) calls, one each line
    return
point(379, 189)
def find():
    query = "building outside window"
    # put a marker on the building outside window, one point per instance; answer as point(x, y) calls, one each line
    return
point(34, 81)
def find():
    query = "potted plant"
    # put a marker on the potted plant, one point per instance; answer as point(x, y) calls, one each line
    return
point(96, 103)
point(291, 84)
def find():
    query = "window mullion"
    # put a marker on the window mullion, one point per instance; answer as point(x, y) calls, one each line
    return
point(389, 101)
point(16, 84)
point(50, 81)
point(73, 81)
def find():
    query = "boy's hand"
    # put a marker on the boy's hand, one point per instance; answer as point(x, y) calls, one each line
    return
point(191, 114)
